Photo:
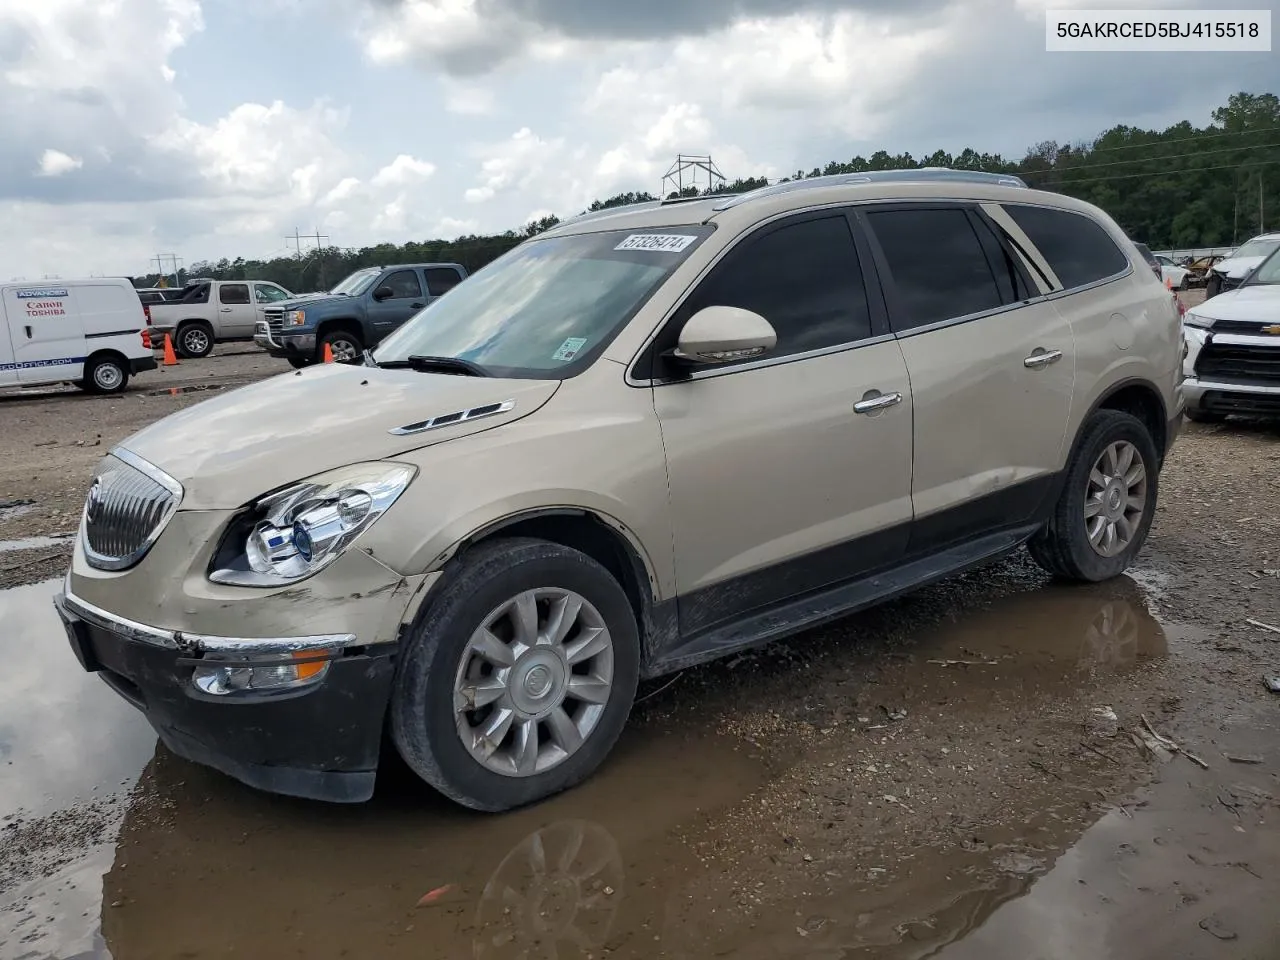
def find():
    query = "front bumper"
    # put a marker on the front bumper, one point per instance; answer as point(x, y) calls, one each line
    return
point(1231, 373)
point(1231, 398)
point(284, 345)
point(320, 742)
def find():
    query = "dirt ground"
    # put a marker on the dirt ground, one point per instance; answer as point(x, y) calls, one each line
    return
point(969, 772)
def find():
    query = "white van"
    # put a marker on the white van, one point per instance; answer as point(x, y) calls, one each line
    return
point(93, 333)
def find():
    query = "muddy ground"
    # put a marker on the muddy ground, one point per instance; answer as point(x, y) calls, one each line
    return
point(938, 777)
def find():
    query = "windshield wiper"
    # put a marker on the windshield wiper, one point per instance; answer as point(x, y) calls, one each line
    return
point(424, 364)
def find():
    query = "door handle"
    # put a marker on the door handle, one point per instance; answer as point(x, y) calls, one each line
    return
point(1042, 358)
point(28, 329)
point(874, 400)
point(226, 309)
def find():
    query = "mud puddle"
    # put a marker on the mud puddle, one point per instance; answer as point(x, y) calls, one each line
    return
point(189, 388)
point(927, 779)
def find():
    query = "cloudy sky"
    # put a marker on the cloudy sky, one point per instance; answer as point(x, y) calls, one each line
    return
point(212, 128)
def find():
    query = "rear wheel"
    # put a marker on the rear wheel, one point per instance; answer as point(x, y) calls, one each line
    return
point(1107, 504)
point(518, 680)
point(195, 340)
point(104, 375)
point(346, 346)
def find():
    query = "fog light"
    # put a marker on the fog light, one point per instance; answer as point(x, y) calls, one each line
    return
point(261, 673)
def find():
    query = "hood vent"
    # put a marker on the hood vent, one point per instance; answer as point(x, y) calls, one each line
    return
point(449, 419)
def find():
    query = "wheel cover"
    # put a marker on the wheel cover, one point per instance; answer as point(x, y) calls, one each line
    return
point(343, 350)
point(107, 376)
point(1115, 498)
point(533, 682)
point(195, 340)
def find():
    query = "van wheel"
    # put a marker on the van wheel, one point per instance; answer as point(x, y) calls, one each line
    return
point(517, 681)
point(346, 346)
point(105, 375)
point(1106, 507)
point(195, 340)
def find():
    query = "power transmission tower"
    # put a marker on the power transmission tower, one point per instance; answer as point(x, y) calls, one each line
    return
point(160, 259)
point(687, 172)
point(298, 237)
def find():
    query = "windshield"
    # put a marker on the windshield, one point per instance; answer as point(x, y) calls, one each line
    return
point(357, 283)
point(1268, 271)
point(1256, 248)
point(550, 306)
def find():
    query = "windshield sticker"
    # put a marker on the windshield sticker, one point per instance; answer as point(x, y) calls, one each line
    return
point(662, 242)
point(569, 349)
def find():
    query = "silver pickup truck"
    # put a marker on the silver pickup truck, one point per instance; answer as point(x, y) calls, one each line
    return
point(206, 312)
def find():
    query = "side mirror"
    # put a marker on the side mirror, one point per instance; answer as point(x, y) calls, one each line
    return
point(383, 293)
point(722, 334)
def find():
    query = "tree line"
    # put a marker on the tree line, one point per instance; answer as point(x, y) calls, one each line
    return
point(1185, 186)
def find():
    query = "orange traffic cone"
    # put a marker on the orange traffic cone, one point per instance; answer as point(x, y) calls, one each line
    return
point(170, 358)
point(328, 353)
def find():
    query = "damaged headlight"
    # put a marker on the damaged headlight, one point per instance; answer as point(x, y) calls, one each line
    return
point(299, 531)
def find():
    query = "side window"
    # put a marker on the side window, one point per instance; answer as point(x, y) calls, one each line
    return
point(937, 264)
point(233, 293)
point(269, 293)
point(1078, 249)
point(803, 278)
point(440, 280)
point(404, 284)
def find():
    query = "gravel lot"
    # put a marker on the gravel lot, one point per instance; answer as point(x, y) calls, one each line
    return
point(930, 778)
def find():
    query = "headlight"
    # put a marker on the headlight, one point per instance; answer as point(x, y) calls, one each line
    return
point(295, 318)
point(1193, 319)
point(297, 532)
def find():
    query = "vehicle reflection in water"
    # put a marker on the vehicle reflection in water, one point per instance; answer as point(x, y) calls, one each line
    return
point(205, 867)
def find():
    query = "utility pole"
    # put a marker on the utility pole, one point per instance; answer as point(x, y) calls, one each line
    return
point(1261, 221)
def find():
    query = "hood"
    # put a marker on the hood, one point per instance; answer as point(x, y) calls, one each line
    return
point(233, 448)
point(1237, 268)
point(311, 300)
point(1255, 304)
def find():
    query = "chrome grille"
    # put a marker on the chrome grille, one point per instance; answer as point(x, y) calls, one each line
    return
point(275, 320)
point(129, 503)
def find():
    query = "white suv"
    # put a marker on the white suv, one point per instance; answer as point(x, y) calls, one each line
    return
point(644, 439)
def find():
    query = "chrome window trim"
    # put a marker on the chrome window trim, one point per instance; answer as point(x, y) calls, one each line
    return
point(467, 416)
point(197, 642)
point(151, 472)
point(1062, 289)
point(1001, 217)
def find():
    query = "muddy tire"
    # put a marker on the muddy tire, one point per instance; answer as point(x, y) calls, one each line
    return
point(1204, 416)
point(1213, 286)
point(194, 340)
point(550, 711)
point(346, 346)
point(104, 375)
point(1108, 501)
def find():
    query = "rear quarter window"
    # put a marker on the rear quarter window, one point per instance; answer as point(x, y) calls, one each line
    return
point(1077, 247)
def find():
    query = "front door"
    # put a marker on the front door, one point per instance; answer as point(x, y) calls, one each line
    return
point(237, 314)
point(778, 484)
point(265, 294)
point(46, 332)
point(406, 298)
point(992, 371)
point(8, 368)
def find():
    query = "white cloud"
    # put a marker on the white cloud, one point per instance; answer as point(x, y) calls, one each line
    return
point(516, 164)
point(54, 163)
point(468, 99)
point(402, 170)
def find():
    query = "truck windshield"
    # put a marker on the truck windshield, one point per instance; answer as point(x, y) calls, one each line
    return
point(357, 283)
point(1267, 272)
point(548, 308)
point(1256, 248)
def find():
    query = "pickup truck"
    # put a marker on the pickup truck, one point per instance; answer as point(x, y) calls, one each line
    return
point(206, 312)
point(356, 314)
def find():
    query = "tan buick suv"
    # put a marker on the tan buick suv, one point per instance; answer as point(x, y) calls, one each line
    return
point(645, 439)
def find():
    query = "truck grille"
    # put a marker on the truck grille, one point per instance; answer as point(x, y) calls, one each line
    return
point(1251, 364)
point(275, 320)
point(128, 506)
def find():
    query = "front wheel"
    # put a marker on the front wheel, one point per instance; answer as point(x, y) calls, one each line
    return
point(1107, 504)
point(518, 680)
point(1213, 286)
point(346, 347)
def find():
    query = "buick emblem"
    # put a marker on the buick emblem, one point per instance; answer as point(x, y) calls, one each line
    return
point(93, 503)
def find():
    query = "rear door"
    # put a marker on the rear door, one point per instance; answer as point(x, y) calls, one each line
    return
point(440, 280)
point(46, 332)
point(237, 314)
point(406, 298)
point(992, 369)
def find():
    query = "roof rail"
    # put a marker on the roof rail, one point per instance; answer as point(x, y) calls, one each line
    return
point(610, 211)
point(917, 175)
